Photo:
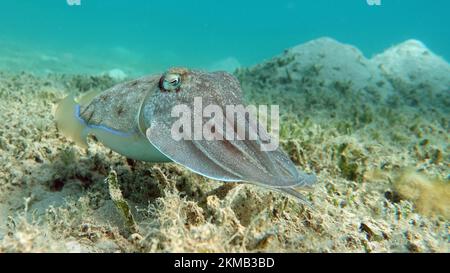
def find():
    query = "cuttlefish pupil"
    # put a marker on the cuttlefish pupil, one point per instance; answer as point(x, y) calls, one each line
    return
point(170, 82)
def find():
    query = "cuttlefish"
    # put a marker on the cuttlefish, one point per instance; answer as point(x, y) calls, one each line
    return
point(135, 119)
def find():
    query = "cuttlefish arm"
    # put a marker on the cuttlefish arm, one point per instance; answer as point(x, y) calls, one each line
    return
point(135, 119)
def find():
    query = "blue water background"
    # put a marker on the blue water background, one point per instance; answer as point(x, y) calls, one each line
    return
point(143, 36)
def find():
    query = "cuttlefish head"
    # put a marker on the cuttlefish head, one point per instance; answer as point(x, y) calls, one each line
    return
point(194, 118)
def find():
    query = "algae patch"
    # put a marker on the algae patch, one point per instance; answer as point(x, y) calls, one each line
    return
point(430, 195)
point(120, 203)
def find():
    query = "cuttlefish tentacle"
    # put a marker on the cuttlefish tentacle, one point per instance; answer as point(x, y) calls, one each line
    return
point(135, 119)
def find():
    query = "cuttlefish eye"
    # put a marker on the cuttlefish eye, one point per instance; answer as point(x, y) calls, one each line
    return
point(169, 82)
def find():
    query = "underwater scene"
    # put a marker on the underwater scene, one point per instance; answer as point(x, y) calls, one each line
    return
point(225, 126)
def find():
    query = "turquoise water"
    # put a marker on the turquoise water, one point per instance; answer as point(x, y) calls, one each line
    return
point(143, 36)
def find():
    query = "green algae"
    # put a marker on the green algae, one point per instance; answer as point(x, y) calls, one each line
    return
point(120, 203)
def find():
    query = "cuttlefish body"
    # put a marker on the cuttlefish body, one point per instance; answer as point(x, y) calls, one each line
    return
point(136, 120)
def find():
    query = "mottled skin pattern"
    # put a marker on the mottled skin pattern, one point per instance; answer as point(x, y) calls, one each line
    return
point(118, 107)
point(219, 88)
point(142, 108)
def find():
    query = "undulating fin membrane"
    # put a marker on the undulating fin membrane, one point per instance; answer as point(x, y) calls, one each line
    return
point(221, 158)
point(186, 154)
point(233, 161)
point(68, 120)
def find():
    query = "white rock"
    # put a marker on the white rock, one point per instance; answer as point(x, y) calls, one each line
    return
point(117, 74)
point(415, 65)
point(324, 62)
point(74, 247)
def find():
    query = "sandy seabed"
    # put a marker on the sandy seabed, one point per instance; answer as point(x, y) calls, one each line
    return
point(375, 131)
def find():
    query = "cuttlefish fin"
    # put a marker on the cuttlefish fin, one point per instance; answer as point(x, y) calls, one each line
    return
point(293, 192)
point(68, 120)
point(186, 154)
point(232, 160)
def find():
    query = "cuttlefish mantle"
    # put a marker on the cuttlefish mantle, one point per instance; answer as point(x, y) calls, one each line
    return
point(135, 119)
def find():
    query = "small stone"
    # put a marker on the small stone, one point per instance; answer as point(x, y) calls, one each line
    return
point(135, 238)
point(392, 196)
point(374, 232)
point(85, 227)
point(413, 247)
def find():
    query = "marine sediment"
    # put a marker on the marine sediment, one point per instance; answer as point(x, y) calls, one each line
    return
point(375, 131)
